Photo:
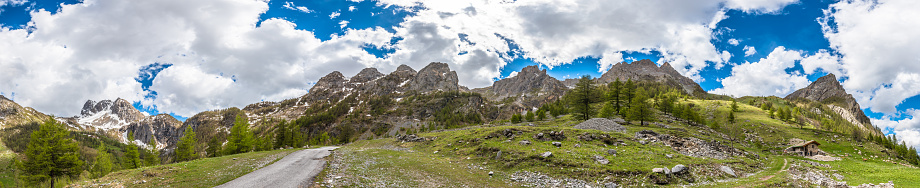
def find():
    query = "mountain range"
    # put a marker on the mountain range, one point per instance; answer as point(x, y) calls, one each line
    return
point(374, 104)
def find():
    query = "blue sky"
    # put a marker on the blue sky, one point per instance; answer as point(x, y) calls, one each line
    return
point(171, 57)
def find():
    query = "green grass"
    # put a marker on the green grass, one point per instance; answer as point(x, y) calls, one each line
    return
point(208, 172)
point(754, 131)
point(7, 178)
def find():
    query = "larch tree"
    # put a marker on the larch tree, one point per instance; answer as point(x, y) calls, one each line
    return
point(185, 149)
point(582, 98)
point(50, 154)
point(639, 109)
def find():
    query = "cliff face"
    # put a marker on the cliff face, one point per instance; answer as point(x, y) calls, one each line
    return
point(646, 70)
point(435, 77)
point(828, 90)
point(531, 88)
point(163, 129)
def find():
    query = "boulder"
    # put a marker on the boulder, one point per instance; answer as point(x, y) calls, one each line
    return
point(610, 185)
point(678, 169)
point(728, 170)
point(524, 142)
point(498, 155)
point(659, 170)
point(557, 144)
point(612, 152)
point(546, 154)
point(601, 159)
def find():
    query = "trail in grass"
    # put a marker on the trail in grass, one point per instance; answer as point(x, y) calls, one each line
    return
point(783, 169)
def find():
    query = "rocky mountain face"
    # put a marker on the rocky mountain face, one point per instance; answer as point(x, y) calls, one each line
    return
point(646, 70)
point(162, 128)
point(435, 77)
point(107, 114)
point(12, 114)
point(531, 87)
point(829, 91)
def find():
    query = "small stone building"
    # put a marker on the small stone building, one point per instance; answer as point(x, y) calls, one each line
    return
point(809, 148)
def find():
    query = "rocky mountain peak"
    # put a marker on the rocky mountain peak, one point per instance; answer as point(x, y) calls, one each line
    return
point(823, 88)
point(646, 70)
point(366, 74)
point(532, 85)
point(333, 80)
point(162, 128)
point(107, 114)
point(828, 90)
point(405, 68)
point(435, 77)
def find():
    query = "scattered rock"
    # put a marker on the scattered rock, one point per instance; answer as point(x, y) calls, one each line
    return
point(678, 169)
point(728, 170)
point(498, 155)
point(547, 154)
point(646, 134)
point(601, 159)
point(577, 145)
point(661, 170)
point(669, 156)
point(610, 185)
point(601, 124)
point(557, 144)
point(412, 138)
point(612, 152)
point(838, 176)
point(490, 173)
point(524, 142)
point(619, 120)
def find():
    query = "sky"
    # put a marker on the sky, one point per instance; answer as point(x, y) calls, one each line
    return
point(182, 57)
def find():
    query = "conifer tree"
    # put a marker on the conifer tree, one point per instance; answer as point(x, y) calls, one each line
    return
point(185, 150)
point(582, 98)
point(541, 114)
point(240, 140)
point(731, 116)
point(103, 164)
point(734, 105)
point(51, 153)
point(214, 147)
point(628, 92)
point(607, 111)
point(529, 116)
point(639, 109)
point(615, 95)
point(132, 156)
point(515, 118)
point(281, 134)
point(153, 154)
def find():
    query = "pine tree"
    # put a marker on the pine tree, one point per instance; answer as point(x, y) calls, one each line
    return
point(529, 116)
point(772, 113)
point(627, 92)
point(582, 98)
point(131, 154)
point(50, 154)
point(153, 154)
point(213, 147)
point(185, 150)
point(240, 140)
point(607, 111)
point(541, 114)
point(614, 95)
point(516, 118)
point(281, 134)
point(103, 164)
point(734, 105)
point(731, 116)
point(639, 109)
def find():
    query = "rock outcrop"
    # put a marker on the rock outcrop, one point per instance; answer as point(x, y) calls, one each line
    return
point(163, 129)
point(531, 88)
point(829, 91)
point(646, 70)
point(435, 77)
point(12, 114)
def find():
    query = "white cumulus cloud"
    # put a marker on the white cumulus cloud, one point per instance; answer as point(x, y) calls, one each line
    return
point(766, 77)
point(749, 51)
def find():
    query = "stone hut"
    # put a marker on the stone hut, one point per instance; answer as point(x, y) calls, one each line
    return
point(809, 148)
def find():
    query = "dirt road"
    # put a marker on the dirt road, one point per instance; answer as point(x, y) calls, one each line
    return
point(294, 170)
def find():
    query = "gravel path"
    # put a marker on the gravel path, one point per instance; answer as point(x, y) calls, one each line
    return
point(294, 170)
